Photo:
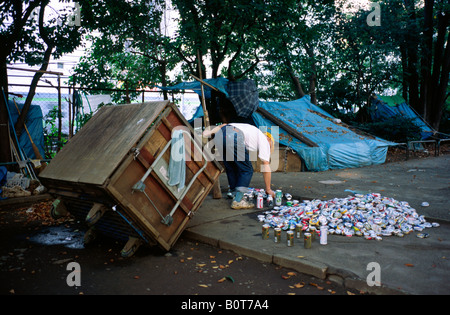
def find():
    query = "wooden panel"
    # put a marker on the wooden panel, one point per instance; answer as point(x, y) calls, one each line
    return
point(149, 213)
point(101, 161)
point(96, 150)
point(287, 160)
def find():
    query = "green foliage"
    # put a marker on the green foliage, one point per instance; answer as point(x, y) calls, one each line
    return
point(51, 142)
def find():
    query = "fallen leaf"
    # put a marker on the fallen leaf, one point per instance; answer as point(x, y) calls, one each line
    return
point(222, 280)
point(285, 277)
point(222, 267)
point(291, 293)
point(201, 265)
point(350, 293)
point(203, 285)
point(230, 261)
point(136, 277)
point(212, 256)
point(409, 265)
point(189, 258)
point(292, 273)
point(299, 285)
point(230, 278)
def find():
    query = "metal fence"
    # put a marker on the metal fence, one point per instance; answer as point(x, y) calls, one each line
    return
point(65, 109)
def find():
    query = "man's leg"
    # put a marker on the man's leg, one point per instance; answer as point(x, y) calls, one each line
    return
point(244, 172)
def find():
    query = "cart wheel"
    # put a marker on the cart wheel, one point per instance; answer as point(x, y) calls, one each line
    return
point(58, 209)
point(89, 236)
point(96, 212)
point(131, 247)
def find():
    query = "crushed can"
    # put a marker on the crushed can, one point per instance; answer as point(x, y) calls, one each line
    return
point(269, 201)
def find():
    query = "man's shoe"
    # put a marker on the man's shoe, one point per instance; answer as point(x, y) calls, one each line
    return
point(243, 204)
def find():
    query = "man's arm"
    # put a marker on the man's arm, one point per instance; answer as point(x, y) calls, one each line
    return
point(267, 175)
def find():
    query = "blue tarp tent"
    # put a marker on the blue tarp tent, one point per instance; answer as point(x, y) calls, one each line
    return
point(218, 83)
point(35, 128)
point(385, 107)
point(338, 146)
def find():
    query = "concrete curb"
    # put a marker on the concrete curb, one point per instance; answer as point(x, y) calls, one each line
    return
point(314, 268)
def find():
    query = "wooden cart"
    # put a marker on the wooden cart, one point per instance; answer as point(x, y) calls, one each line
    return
point(114, 174)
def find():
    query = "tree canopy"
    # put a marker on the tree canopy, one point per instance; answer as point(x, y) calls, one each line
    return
point(291, 48)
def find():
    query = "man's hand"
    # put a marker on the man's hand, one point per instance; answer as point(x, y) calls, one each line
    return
point(271, 192)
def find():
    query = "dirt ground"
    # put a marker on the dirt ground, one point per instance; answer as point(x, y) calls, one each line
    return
point(35, 251)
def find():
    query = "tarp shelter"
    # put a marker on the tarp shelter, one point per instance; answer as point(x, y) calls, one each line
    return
point(243, 94)
point(385, 107)
point(218, 83)
point(337, 146)
point(35, 127)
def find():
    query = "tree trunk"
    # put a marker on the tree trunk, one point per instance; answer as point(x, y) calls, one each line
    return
point(426, 89)
point(440, 76)
point(312, 88)
point(412, 46)
point(5, 149)
point(37, 76)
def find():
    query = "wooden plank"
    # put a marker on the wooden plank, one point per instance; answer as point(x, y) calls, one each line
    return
point(287, 161)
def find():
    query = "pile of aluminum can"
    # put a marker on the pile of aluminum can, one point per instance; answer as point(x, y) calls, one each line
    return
point(371, 216)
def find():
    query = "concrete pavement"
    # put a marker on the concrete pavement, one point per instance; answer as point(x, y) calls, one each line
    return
point(408, 265)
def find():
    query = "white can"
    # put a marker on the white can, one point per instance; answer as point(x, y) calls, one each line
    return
point(323, 235)
point(259, 202)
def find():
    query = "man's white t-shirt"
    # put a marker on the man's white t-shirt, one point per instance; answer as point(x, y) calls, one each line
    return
point(255, 140)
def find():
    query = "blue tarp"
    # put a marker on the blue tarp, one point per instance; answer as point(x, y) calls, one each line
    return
point(218, 83)
point(35, 127)
point(385, 107)
point(338, 146)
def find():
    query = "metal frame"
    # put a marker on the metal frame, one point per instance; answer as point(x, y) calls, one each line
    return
point(140, 185)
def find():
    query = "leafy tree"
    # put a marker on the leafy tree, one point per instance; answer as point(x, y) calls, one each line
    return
point(130, 51)
point(226, 31)
point(33, 40)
